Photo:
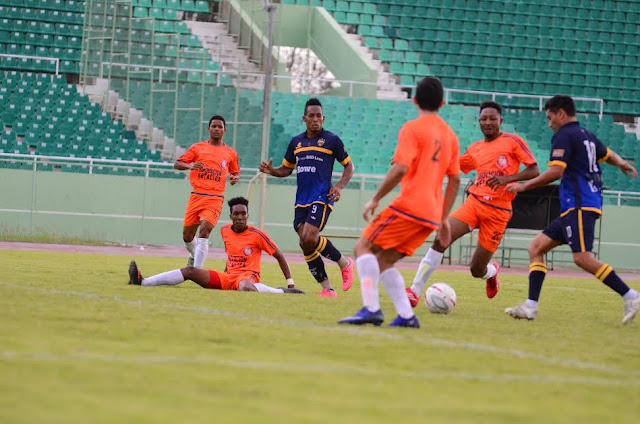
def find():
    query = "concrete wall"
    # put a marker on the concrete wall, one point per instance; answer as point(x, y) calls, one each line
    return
point(134, 210)
point(305, 27)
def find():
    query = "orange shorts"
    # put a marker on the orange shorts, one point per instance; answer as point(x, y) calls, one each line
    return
point(225, 281)
point(390, 231)
point(491, 220)
point(203, 207)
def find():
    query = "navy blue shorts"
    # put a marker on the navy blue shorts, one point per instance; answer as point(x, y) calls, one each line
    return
point(316, 214)
point(577, 228)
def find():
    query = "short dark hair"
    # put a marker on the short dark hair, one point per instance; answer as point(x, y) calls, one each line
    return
point(561, 101)
point(237, 201)
point(218, 118)
point(429, 94)
point(490, 104)
point(311, 102)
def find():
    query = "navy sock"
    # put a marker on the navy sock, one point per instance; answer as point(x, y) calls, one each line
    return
point(537, 272)
point(328, 250)
point(316, 266)
point(607, 275)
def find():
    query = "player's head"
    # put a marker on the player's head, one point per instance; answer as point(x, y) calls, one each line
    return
point(490, 119)
point(429, 94)
point(313, 116)
point(239, 213)
point(217, 127)
point(560, 110)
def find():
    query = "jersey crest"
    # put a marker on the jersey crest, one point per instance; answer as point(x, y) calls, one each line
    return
point(223, 164)
point(502, 161)
point(247, 251)
point(321, 142)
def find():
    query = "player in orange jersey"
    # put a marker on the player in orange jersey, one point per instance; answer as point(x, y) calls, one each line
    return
point(497, 160)
point(427, 151)
point(244, 245)
point(209, 161)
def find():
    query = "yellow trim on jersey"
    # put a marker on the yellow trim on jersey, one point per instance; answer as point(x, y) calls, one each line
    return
point(586, 208)
point(312, 256)
point(605, 157)
point(321, 244)
point(581, 231)
point(590, 209)
point(288, 164)
point(314, 149)
point(309, 204)
point(557, 163)
point(346, 161)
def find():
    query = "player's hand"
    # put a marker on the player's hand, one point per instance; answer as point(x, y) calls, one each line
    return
point(197, 165)
point(266, 167)
point(628, 169)
point(369, 209)
point(443, 236)
point(334, 194)
point(496, 181)
point(515, 188)
point(234, 178)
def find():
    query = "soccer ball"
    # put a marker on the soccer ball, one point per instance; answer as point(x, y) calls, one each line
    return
point(440, 298)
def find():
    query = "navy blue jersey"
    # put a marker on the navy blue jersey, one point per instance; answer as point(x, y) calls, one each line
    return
point(580, 153)
point(313, 160)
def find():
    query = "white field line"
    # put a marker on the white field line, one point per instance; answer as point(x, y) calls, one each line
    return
point(355, 331)
point(311, 368)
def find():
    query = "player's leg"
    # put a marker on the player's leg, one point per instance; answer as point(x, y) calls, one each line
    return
point(369, 275)
point(327, 249)
point(169, 278)
point(582, 246)
point(433, 259)
point(394, 285)
point(492, 223)
point(209, 212)
point(543, 243)
point(190, 226)
point(309, 234)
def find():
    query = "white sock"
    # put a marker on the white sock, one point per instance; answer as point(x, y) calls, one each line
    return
point(393, 283)
point(262, 288)
point(191, 246)
point(201, 252)
point(631, 294)
point(531, 303)
point(491, 272)
point(369, 273)
point(169, 278)
point(428, 264)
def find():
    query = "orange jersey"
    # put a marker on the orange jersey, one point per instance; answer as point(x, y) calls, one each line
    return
point(501, 156)
point(244, 249)
point(429, 148)
point(219, 161)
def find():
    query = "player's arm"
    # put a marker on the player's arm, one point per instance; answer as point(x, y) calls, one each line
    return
point(284, 266)
point(552, 174)
point(180, 165)
point(347, 173)
point(528, 173)
point(281, 171)
point(391, 180)
point(615, 160)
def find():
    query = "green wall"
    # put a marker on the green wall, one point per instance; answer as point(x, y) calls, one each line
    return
point(136, 210)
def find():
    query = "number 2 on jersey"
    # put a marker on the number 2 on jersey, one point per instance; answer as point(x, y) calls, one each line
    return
point(435, 154)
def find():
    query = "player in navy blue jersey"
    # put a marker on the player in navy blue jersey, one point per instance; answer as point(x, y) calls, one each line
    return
point(312, 154)
point(576, 156)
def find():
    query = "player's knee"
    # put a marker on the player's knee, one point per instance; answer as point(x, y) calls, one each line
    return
point(204, 232)
point(580, 260)
point(307, 244)
point(245, 285)
point(188, 272)
point(534, 250)
point(187, 237)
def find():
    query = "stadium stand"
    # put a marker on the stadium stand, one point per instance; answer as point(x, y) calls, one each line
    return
point(516, 47)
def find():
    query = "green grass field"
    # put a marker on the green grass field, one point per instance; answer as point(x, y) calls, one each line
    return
point(78, 345)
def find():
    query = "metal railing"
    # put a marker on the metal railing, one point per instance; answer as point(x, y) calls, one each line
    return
point(45, 58)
